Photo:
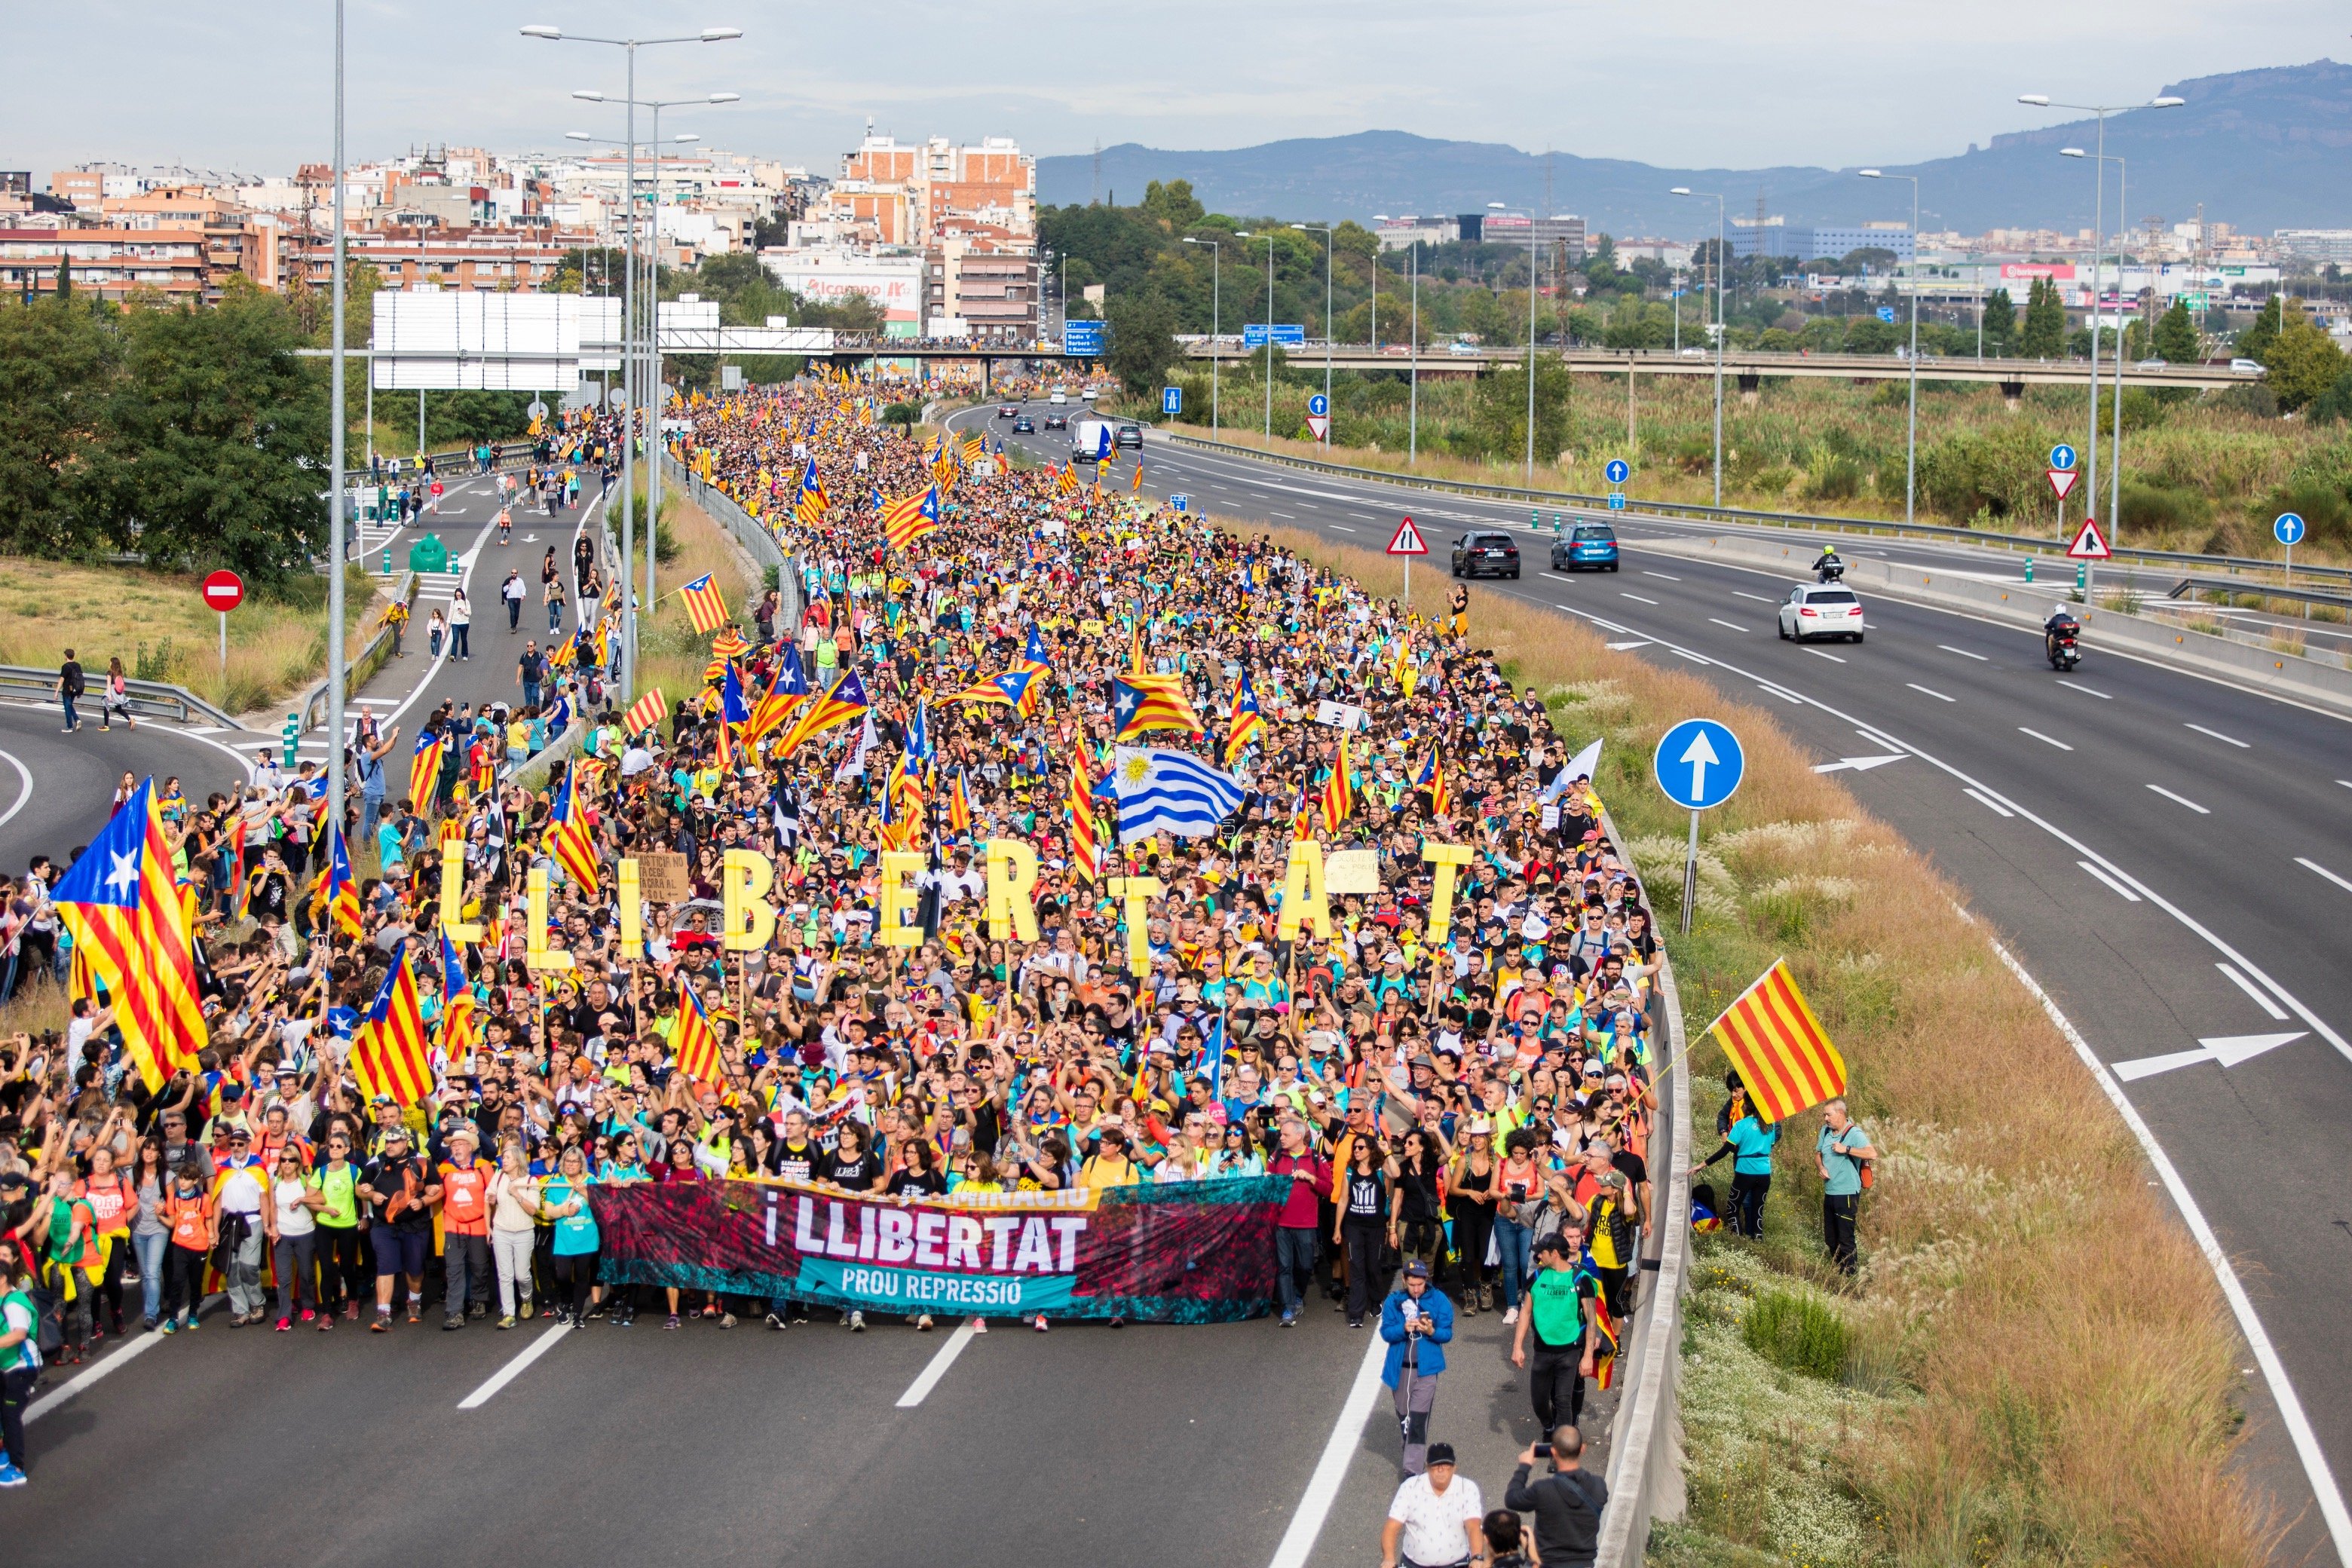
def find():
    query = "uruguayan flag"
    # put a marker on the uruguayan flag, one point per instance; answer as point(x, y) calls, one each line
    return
point(1170, 791)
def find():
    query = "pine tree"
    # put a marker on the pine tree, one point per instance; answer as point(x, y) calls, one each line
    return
point(2176, 336)
point(2256, 341)
point(2000, 319)
point(2045, 336)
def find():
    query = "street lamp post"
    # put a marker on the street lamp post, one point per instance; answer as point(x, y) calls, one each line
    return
point(2098, 226)
point(1531, 341)
point(2115, 429)
point(1720, 331)
point(1911, 436)
point(1216, 296)
point(1269, 340)
point(1327, 234)
point(337, 759)
point(630, 323)
point(1413, 405)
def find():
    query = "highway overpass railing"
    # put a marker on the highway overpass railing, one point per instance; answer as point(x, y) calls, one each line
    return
point(149, 698)
point(2270, 579)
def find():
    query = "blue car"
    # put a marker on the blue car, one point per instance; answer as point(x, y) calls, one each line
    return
point(1588, 546)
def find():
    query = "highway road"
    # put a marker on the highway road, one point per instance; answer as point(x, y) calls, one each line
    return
point(2170, 858)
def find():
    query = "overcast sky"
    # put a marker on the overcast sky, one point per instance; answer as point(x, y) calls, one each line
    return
point(1697, 83)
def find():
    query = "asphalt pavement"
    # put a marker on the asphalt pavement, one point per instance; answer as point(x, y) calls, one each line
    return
point(2170, 856)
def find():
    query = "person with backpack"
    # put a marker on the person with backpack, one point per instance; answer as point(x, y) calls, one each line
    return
point(73, 1257)
point(1559, 1318)
point(188, 1211)
point(20, 1359)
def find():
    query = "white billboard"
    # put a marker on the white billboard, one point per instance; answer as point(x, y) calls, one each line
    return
point(893, 282)
point(438, 339)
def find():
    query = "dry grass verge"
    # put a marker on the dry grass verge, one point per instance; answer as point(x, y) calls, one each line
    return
point(670, 653)
point(2036, 1362)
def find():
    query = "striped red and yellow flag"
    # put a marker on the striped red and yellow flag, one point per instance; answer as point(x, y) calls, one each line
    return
point(697, 1042)
point(1783, 1054)
point(705, 606)
point(1086, 848)
point(645, 713)
point(1338, 791)
point(388, 1056)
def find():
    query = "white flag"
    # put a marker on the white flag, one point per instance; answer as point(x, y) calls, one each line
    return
point(855, 765)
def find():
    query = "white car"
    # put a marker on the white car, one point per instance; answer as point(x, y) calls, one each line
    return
point(1821, 610)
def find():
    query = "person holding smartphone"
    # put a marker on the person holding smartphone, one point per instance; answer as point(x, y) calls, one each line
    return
point(1417, 1322)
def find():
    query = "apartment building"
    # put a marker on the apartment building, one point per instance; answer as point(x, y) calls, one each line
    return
point(910, 193)
point(110, 263)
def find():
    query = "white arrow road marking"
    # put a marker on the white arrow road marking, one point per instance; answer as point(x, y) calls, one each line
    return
point(1859, 764)
point(1621, 647)
point(2229, 1050)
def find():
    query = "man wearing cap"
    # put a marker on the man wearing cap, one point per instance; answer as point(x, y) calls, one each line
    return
point(399, 1191)
point(237, 1198)
point(1417, 1322)
point(465, 1188)
point(1435, 1519)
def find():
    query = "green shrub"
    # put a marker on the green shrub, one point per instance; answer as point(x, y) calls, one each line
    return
point(2325, 512)
point(2162, 509)
point(1799, 1332)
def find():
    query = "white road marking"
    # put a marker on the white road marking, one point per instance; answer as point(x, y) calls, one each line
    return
point(1667, 576)
point(1760, 598)
point(2291, 1415)
point(1561, 576)
point(2231, 740)
point(2307, 865)
point(1783, 693)
point(1635, 597)
point(1338, 1451)
point(1292, 517)
point(1343, 528)
point(929, 1378)
point(1621, 647)
point(1986, 801)
point(128, 1349)
point(1964, 653)
point(2087, 690)
point(2183, 799)
point(2128, 896)
point(1886, 741)
point(2226, 1050)
point(24, 776)
point(2246, 985)
point(1721, 622)
point(1930, 691)
point(514, 1368)
point(1858, 764)
point(1818, 652)
point(2043, 739)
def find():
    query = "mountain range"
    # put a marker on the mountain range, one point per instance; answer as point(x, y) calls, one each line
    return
point(2262, 150)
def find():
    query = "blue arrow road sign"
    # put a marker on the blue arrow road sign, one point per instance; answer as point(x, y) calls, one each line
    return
point(1616, 501)
point(1699, 764)
point(1618, 470)
point(1083, 340)
point(1181, 503)
point(1886, 314)
point(1171, 400)
point(2288, 527)
point(2061, 456)
point(1318, 405)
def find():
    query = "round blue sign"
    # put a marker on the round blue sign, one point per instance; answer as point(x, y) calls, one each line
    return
point(1699, 764)
point(1318, 405)
point(2289, 528)
point(1618, 470)
point(2061, 456)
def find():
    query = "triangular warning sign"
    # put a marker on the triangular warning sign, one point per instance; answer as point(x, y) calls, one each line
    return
point(2063, 481)
point(2089, 545)
point(1408, 540)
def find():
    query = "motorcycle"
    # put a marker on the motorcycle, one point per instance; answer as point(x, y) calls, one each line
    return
point(2061, 648)
point(1830, 572)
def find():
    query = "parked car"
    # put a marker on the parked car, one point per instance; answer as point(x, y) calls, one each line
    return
point(1492, 553)
point(1814, 610)
point(1588, 546)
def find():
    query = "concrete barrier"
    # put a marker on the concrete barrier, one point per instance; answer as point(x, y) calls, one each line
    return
point(2276, 673)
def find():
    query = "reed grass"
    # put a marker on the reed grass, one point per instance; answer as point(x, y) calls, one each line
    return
point(671, 654)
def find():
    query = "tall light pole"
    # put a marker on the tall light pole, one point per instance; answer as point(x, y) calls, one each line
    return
point(630, 323)
point(1719, 331)
point(1327, 234)
point(1269, 338)
point(337, 759)
point(1911, 437)
point(2098, 226)
point(1498, 206)
point(2115, 430)
point(1216, 296)
point(1412, 403)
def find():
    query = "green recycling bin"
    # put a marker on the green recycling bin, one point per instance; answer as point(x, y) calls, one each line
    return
point(428, 555)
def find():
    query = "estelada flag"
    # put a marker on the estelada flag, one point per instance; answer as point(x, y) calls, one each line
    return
point(705, 606)
point(1783, 1054)
point(130, 935)
point(909, 518)
point(335, 888)
point(837, 707)
point(786, 692)
point(388, 1056)
point(425, 771)
point(568, 841)
point(1140, 702)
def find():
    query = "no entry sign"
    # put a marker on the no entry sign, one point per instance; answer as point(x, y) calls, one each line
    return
point(223, 591)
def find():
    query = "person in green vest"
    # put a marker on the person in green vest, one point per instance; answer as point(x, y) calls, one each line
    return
point(1560, 1319)
point(20, 1359)
point(343, 1271)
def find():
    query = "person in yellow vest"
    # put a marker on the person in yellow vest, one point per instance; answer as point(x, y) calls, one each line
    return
point(344, 1270)
point(464, 1228)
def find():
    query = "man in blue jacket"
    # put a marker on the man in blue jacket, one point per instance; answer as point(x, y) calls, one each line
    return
point(1416, 1322)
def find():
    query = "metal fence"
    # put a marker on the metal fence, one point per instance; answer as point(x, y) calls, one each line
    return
point(361, 670)
point(149, 698)
point(756, 541)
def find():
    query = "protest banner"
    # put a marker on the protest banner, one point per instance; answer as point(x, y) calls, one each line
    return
point(1171, 1252)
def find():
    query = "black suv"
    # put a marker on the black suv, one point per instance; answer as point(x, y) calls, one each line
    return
point(1495, 552)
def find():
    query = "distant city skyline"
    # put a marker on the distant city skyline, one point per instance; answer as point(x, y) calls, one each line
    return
point(1711, 83)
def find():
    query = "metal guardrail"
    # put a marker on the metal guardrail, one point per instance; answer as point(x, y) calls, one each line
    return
point(149, 698)
point(1694, 512)
point(756, 541)
point(361, 670)
point(1645, 1479)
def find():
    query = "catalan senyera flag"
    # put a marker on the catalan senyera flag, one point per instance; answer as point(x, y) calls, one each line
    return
point(130, 935)
point(1085, 849)
point(911, 517)
point(336, 889)
point(809, 506)
point(1338, 791)
point(705, 606)
point(697, 1042)
point(567, 834)
point(425, 771)
point(786, 692)
point(1783, 1054)
point(388, 1055)
point(837, 707)
point(1143, 702)
point(959, 804)
point(458, 1031)
point(1244, 723)
point(1136, 483)
point(975, 447)
point(645, 713)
